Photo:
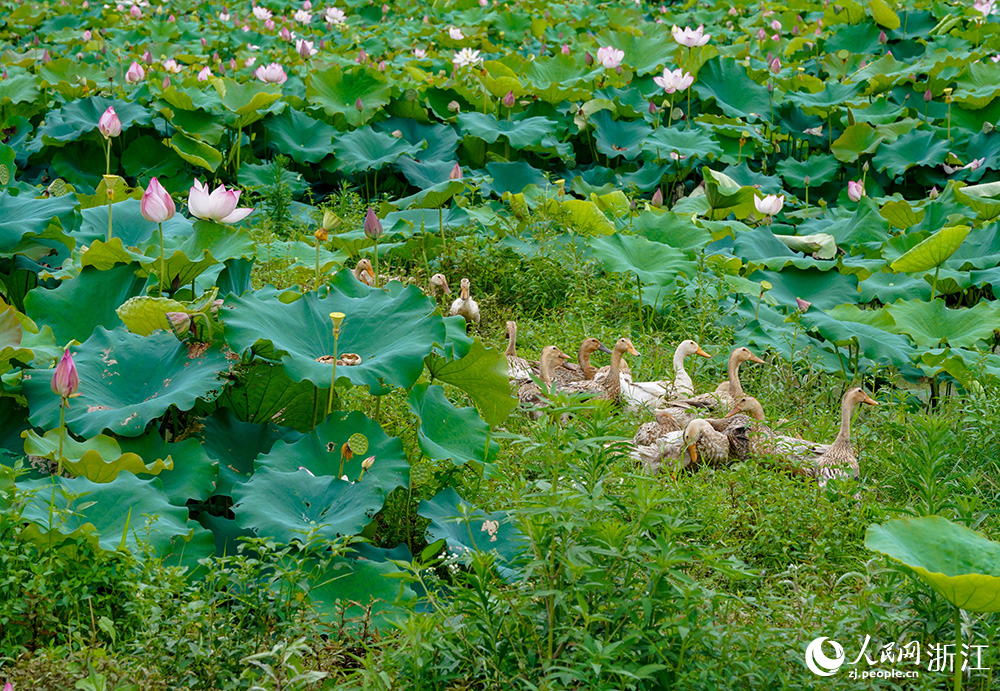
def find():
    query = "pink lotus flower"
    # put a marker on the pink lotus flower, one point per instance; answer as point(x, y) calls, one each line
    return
point(87, 35)
point(509, 99)
point(305, 48)
point(250, 61)
point(610, 57)
point(971, 165)
point(373, 226)
point(455, 33)
point(262, 13)
point(205, 74)
point(565, 49)
point(303, 17)
point(135, 12)
point(761, 34)
point(335, 16)
point(269, 24)
point(224, 16)
point(272, 74)
point(456, 173)
point(307, 5)
point(692, 38)
point(135, 74)
point(803, 305)
point(419, 53)
point(657, 200)
point(109, 125)
point(286, 35)
point(855, 190)
point(219, 206)
point(157, 205)
point(171, 66)
point(775, 66)
point(769, 205)
point(65, 380)
point(675, 80)
point(776, 25)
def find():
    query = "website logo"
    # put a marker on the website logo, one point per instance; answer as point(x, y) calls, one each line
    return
point(818, 662)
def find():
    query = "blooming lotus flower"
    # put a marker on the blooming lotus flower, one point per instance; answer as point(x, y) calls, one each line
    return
point(692, 38)
point(373, 226)
point(156, 205)
point(455, 33)
point(984, 7)
point(335, 16)
point(972, 165)
point(65, 380)
point(776, 25)
point(855, 190)
point(205, 74)
point(466, 58)
point(171, 66)
point(610, 57)
point(224, 16)
point(676, 80)
point(135, 74)
point(769, 205)
point(250, 61)
point(303, 17)
point(419, 53)
point(269, 24)
point(305, 48)
point(109, 125)
point(220, 205)
point(262, 13)
point(272, 74)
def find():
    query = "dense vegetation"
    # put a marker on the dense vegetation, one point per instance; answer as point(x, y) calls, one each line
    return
point(204, 500)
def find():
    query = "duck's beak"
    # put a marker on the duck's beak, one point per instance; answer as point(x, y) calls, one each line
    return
point(733, 411)
point(701, 352)
point(754, 358)
point(368, 271)
point(632, 350)
point(604, 349)
point(694, 454)
point(869, 400)
point(447, 289)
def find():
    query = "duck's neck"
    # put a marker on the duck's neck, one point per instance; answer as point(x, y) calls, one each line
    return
point(613, 383)
point(465, 292)
point(735, 388)
point(511, 343)
point(682, 380)
point(583, 357)
point(844, 435)
point(544, 372)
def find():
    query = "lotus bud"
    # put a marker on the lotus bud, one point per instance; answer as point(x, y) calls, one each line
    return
point(761, 35)
point(456, 173)
point(795, 30)
point(321, 234)
point(427, 20)
point(381, 65)
point(156, 205)
point(882, 38)
point(65, 380)
point(652, 108)
point(87, 35)
point(657, 200)
point(864, 167)
point(803, 305)
point(928, 96)
point(135, 12)
point(359, 105)
point(204, 43)
point(454, 107)
point(171, 18)
point(368, 463)
point(331, 221)
point(508, 100)
point(109, 124)
point(806, 180)
point(362, 57)
point(147, 58)
point(166, 83)
point(373, 226)
point(286, 35)
point(345, 451)
point(855, 190)
point(269, 24)
point(180, 322)
point(776, 66)
point(565, 49)
point(398, 134)
point(588, 59)
point(933, 194)
point(46, 58)
point(232, 63)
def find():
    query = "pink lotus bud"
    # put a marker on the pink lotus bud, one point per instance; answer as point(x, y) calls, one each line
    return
point(588, 59)
point(776, 25)
point(456, 173)
point(795, 30)
point(171, 18)
point(269, 24)
point(166, 83)
point(373, 226)
point(65, 380)
point(803, 305)
point(87, 35)
point(508, 100)
point(657, 200)
point(359, 105)
point(46, 58)
point(156, 205)
point(565, 49)
point(882, 38)
point(652, 108)
point(180, 322)
point(776, 66)
point(147, 58)
point(933, 194)
point(855, 190)
point(204, 43)
point(307, 5)
point(135, 12)
point(362, 57)
point(286, 35)
point(109, 125)
point(232, 63)
point(381, 65)
point(761, 34)
point(928, 96)
point(322, 44)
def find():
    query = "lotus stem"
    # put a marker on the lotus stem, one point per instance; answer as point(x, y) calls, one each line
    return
point(62, 434)
point(111, 196)
point(934, 284)
point(670, 115)
point(317, 264)
point(959, 657)
point(107, 156)
point(376, 264)
point(333, 378)
point(163, 261)
point(444, 243)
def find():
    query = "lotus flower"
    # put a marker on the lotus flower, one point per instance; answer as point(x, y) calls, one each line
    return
point(775, 66)
point(657, 200)
point(335, 16)
point(272, 74)
point(157, 205)
point(305, 48)
point(776, 25)
point(135, 12)
point(971, 165)
point(286, 35)
point(565, 49)
point(134, 74)
point(769, 205)
point(109, 124)
point(87, 35)
point(65, 380)
point(373, 226)
point(456, 173)
point(219, 206)
point(509, 100)
point(171, 66)
point(984, 7)
point(262, 13)
point(180, 322)
point(303, 17)
point(692, 38)
point(466, 58)
point(224, 16)
point(761, 34)
point(855, 190)
point(205, 74)
point(455, 33)
point(419, 53)
point(610, 57)
point(676, 80)
point(803, 305)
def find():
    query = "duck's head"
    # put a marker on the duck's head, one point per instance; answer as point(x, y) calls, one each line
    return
point(690, 347)
point(857, 395)
point(743, 354)
point(466, 284)
point(692, 433)
point(554, 356)
point(747, 404)
point(511, 328)
point(591, 345)
point(438, 281)
point(624, 345)
point(365, 267)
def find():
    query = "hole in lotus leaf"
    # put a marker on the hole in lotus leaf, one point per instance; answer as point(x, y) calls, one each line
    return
point(345, 360)
point(325, 359)
point(358, 443)
point(196, 350)
point(331, 447)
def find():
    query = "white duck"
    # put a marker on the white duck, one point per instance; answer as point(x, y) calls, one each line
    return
point(723, 398)
point(519, 369)
point(364, 273)
point(653, 393)
point(466, 306)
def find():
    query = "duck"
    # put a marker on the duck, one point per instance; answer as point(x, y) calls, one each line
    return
point(839, 459)
point(609, 387)
point(725, 394)
point(582, 370)
point(530, 393)
point(437, 287)
point(465, 306)
point(650, 432)
point(653, 393)
point(519, 369)
point(717, 442)
point(764, 441)
point(364, 272)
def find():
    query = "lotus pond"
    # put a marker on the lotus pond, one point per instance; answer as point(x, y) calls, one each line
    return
point(243, 444)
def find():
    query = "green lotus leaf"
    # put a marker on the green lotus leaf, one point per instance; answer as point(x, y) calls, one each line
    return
point(619, 138)
point(833, 96)
point(365, 149)
point(982, 198)
point(258, 176)
point(727, 83)
point(857, 139)
point(148, 157)
point(22, 341)
point(674, 229)
point(824, 289)
point(447, 432)
point(99, 459)
point(693, 143)
point(126, 381)
point(19, 87)
point(431, 142)
point(319, 452)
point(102, 292)
point(391, 334)
point(343, 589)
point(128, 226)
point(960, 564)
point(888, 287)
point(726, 196)
point(465, 528)
point(81, 116)
point(585, 217)
point(290, 506)
point(435, 196)
point(193, 473)
point(262, 392)
point(422, 174)
point(918, 148)
point(931, 323)
point(195, 151)
point(819, 168)
point(337, 91)
point(246, 99)
point(901, 215)
point(529, 133)
point(761, 247)
point(302, 138)
point(933, 251)
point(978, 86)
point(127, 512)
point(106, 255)
point(23, 220)
point(820, 245)
point(873, 343)
point(143, 315)
point(234, 445)
point(653, 263)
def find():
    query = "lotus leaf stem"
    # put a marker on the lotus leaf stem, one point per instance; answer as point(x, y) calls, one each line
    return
point(163, 260)
point(333, 377)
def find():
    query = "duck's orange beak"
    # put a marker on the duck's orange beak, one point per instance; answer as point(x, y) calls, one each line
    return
point(694, 454)
point(733, 411)
point(754, 358)
point(632, 350)
point(869, 400)
point(701, 352)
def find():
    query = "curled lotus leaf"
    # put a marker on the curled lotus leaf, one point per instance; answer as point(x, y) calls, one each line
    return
point(99, 459)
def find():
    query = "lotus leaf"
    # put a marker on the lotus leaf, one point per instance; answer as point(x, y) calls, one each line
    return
point(933, 251)
point(447, 432)
point(99, 459)
point(931, 323)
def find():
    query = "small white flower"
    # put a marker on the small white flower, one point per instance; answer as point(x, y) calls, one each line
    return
point(455, 33)
point(769, 205)
point(303, 17)
point(467, 58)
point(335, 15)
point(262, 13)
